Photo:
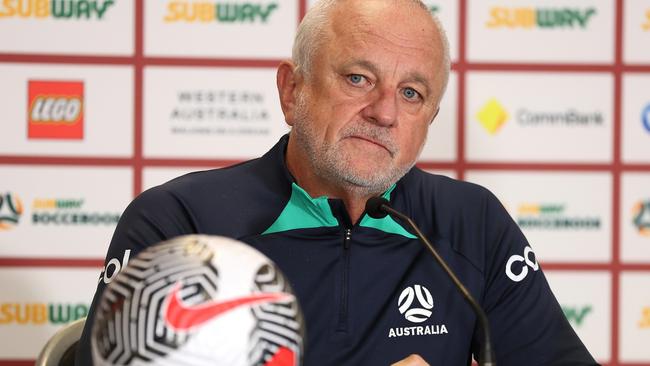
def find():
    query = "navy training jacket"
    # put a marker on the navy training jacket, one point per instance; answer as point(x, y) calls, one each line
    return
point(348, 277)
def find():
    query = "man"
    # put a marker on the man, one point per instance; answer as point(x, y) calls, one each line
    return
point(365, 82)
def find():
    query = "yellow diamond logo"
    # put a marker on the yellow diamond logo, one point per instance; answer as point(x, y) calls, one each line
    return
point(492, 116)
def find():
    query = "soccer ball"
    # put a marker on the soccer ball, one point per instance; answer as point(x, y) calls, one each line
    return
point(198, 300)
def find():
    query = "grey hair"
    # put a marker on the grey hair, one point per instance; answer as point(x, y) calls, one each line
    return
point(312, 33)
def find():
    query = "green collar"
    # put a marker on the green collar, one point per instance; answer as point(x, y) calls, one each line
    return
point(304, 212)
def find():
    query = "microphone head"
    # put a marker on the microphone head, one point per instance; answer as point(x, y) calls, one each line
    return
point(198, 299)
point(374, 207)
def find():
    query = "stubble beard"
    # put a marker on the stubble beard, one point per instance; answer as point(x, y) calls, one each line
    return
point(332, 163)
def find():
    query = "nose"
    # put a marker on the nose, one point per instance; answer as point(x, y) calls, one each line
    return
point(382, 109)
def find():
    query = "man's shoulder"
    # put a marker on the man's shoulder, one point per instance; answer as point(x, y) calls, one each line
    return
point(234, 200)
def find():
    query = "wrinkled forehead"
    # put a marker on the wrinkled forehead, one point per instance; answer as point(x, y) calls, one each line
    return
point(365, 29)
point(401, 24)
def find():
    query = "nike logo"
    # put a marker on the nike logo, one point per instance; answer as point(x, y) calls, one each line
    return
point(182, 317)
point(284, 357)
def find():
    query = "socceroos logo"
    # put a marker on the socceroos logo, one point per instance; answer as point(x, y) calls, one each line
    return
point(415, 314)
point(10, 210)
point(544, 18)
point(57, 9)
point(415, 303)
point(641, 214)
point(222, 12)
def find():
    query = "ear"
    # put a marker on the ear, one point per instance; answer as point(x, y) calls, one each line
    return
point(435, 115)
point(288, 81)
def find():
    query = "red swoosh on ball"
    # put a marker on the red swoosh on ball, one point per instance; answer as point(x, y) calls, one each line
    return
point(284, 357)
point(183, 317)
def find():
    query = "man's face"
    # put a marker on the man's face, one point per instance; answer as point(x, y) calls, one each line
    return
point(362, 114)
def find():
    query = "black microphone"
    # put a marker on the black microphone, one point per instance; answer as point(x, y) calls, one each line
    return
point(377, 208)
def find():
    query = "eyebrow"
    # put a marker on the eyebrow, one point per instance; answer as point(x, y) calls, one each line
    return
point(411, 76)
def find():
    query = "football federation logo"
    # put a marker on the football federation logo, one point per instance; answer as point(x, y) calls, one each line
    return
point(641, 214)
point(198, 300)
point(10, 210)
point(55, 110)
point(492, 116)
point(415, 313)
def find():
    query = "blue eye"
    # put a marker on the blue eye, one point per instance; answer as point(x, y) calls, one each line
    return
point(356, 78)
point(410, 93)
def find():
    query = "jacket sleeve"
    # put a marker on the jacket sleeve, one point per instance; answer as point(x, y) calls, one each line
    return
point(154, 216)
point(527, 324)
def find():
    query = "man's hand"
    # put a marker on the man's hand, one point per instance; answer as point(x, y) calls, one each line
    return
point(412, 360)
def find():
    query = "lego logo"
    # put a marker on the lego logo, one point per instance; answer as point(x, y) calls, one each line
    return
point(57, 110)
point(406, 299)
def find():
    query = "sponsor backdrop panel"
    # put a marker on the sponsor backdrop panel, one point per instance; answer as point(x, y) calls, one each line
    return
point(538, 31)
point(636, 118)
point(231, 113)
point(61, 212)
point(230, 29)
point(565, 216)
point(447, 12)
point(585, 298)
point(36, 302)
point(441, 140)
point(634, 317)
point(509, 120)
point(99, 27)
point(636, 32)
point(154, 176)
point(635, 218)
point(71, 110)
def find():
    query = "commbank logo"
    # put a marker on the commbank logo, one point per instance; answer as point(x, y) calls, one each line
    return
point(492, 116)
point(576, 314)
point(222, 12)
point(55, 110)
point(644, 322)
point(641, 217)
point(528, 260)
point(56, 9)
point(645, 117)
point(41, 313)
point(542, 18)
point(646, 26)
point(11, 208)
point(415, 313)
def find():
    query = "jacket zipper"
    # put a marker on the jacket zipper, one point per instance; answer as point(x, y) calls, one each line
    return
point(342, 323)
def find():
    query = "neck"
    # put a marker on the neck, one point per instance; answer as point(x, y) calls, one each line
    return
point(354, 198)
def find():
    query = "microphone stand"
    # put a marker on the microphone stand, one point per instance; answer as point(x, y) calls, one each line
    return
point(486, 357)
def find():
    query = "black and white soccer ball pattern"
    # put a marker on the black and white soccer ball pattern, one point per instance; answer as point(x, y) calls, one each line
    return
point(198, 300)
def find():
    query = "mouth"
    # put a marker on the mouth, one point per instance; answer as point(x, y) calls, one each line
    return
point(374, 142)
